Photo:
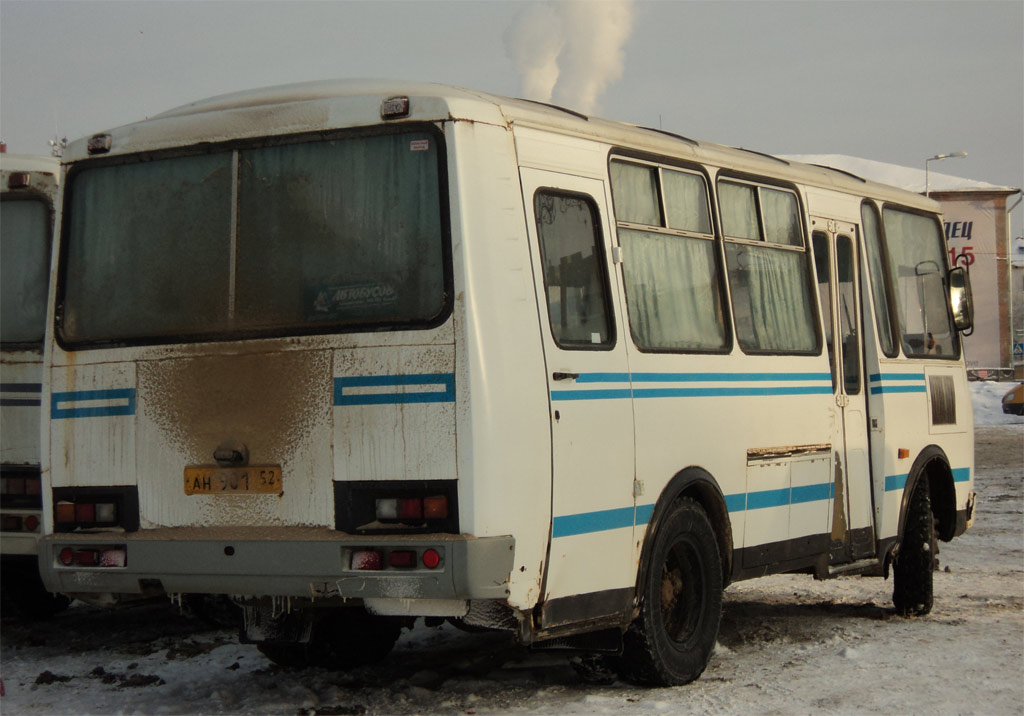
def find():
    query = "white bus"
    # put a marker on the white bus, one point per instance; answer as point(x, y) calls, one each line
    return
point(353, 353)
point(28, 188)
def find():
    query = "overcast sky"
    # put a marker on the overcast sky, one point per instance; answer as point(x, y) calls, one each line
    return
point(894, 82)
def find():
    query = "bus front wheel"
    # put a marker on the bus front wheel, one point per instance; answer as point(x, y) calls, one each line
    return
point(914, 563)
point(671, 641)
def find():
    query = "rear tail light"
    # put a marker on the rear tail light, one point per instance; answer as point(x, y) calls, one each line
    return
point(402, 558)
point(71, 515)
point(14, 486)
point(370, 559)
point(435, 508)
point(413, 508)
point(20, 523)
point(65, 512)
point(21, 490)
point(377, 559)
point(93, 556)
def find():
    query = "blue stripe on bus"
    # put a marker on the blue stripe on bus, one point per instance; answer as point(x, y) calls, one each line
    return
point(620, 517)
point(644, 513)
point(727, 377)
point(20, 389)
point(76, 398)
point(875, 390)
point(885, 383)
point(895, 482)
point(586, 522)
point(898, 482)
point(813, 493)
point(591, 394)
point(390, 381)
point(694, 392)
point(731, 392)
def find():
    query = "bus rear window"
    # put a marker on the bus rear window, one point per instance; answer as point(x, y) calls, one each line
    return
point(335, 235)
point(25, 265)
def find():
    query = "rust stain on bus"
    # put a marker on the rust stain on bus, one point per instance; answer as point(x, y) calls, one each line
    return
point(271, 402)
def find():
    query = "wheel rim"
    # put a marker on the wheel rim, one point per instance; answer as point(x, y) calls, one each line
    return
point(681, 592)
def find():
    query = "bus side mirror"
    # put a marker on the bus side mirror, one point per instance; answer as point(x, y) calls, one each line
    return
point(960, 298)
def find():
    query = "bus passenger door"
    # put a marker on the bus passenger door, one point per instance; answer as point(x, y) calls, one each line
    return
point(589, 572)
point(836, 259)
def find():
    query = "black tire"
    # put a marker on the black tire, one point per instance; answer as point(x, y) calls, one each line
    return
point(340, 640)
point(914, 564)
point(671, 641)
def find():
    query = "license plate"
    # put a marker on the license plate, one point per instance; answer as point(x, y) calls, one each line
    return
point(251, 480)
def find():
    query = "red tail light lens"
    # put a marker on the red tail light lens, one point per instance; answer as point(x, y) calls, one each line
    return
point(402, 558)
point(431, 558)
point(87, 557)
point(14, 486)
point(85, 512)
point(435, 508)
point(65, 512)
point(31, 523)
point(93, 557)
point(410, 509)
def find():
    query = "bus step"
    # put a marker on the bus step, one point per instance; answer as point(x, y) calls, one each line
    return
point(861, 566)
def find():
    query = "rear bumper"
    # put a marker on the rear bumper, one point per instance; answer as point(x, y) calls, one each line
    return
point(18, 543)
point(279, 562)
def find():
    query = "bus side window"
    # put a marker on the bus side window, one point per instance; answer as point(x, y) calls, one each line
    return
point(768, 269)
point(575, 278)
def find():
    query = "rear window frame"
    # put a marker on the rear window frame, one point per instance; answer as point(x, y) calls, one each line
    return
point(436, 132)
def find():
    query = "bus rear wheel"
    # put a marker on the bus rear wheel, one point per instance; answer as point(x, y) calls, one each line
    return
point(671, 641)
point(914, 564)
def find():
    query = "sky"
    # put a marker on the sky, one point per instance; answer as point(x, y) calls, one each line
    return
point(896, 82)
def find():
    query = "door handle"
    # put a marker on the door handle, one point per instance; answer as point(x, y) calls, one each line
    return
point(564, 376)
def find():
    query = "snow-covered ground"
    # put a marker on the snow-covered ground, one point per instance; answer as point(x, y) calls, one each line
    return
point(787, 645)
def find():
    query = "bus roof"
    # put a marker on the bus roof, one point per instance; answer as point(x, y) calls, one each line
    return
point(29, 163)
point(330, 104)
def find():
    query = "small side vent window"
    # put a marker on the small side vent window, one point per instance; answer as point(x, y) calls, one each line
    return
point(943, 400)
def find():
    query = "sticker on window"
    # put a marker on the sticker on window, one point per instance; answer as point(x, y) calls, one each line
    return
point(335, 302)
point(419, 145)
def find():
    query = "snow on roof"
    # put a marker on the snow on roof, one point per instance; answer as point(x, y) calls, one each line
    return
point(903, 177)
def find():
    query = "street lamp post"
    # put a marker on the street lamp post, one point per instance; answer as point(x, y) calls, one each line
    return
point(937, 157)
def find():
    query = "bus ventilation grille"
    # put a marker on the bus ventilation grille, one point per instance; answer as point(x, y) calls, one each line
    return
point(943, 400)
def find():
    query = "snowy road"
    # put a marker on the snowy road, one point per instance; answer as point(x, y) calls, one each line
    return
point(788, 644)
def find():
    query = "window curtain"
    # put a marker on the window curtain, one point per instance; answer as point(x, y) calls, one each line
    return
point(686, 202)
point(739, 211)
point(635, 189)
point(771, 299)
point(672, 291)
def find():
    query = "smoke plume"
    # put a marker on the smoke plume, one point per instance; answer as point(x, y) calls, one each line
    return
point(568, 52)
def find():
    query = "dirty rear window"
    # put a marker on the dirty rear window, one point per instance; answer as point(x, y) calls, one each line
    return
point(24, 265)
point(336, 235)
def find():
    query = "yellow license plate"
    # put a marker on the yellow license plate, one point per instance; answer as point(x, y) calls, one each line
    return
point(251, 480)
